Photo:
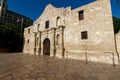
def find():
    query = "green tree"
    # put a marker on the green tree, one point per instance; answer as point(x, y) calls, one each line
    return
point(10, 36)
point(116, 23)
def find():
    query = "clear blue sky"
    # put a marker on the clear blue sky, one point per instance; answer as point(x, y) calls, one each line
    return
point(34, 8)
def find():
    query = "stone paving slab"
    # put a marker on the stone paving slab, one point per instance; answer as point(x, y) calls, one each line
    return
point(18, 66)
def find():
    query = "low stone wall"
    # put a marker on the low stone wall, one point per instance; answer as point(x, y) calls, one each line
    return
point(100, 57)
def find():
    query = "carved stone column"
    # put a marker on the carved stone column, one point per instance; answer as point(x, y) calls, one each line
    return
point(39, 47)
point(35, 35)
point(62, 39)
point(54, 47)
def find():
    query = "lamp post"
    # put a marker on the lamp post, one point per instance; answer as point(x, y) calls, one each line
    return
point(21, 30)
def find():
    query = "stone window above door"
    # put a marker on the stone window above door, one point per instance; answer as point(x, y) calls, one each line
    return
point(81, 15)
point(46, 24)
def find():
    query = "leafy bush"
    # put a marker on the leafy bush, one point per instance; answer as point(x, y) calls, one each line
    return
point(116, 23)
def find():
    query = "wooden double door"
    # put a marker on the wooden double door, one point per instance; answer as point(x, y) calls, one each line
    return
point(46, 47)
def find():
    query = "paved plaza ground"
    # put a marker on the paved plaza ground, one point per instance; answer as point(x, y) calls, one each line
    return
point(17, 66)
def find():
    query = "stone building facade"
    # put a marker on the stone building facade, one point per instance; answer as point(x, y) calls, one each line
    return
point(85, 33)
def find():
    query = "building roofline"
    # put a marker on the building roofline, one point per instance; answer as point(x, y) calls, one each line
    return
point(18, 14)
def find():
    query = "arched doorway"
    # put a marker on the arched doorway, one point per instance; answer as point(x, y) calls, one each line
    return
point(46, 47)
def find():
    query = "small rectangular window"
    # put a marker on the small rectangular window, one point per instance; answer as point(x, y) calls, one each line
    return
point(81, 15)
point(47, 24)
point(38, 27)
point(28, 30)
point(84, 35)
point(28, 41)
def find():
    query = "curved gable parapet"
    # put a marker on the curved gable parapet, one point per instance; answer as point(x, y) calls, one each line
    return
point(50, 11)
point(49, 6)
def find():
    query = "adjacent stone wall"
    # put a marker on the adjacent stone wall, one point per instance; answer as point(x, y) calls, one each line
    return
point(98, 23)
point(28, 40)
point(118, 43)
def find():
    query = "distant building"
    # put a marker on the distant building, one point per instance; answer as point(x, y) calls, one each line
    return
point(7, 16)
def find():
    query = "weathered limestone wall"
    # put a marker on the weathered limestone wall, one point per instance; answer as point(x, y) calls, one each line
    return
point(118, 42)
point(28, 45)
point(98, 22)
